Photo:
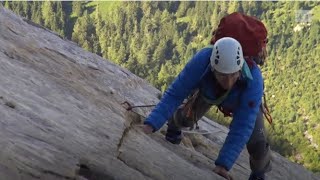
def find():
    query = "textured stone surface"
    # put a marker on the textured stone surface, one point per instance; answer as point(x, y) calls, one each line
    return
point(61, 118)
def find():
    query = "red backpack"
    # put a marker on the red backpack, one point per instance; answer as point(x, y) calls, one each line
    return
point(248, 30)
point(252, 35)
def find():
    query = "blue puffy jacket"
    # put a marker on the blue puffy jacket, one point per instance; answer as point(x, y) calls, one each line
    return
point(243, 100)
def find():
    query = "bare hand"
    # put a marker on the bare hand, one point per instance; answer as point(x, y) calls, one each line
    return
point(222, 172)
point(147, 129)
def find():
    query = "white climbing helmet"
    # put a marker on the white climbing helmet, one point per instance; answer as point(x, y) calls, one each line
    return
point(227, 56)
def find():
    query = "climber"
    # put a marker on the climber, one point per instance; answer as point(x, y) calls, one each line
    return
point(221, 75)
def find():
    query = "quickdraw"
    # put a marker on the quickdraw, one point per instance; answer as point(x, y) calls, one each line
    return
point(130, 107)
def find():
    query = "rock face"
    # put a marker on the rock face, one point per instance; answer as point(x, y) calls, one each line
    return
point(61, 118)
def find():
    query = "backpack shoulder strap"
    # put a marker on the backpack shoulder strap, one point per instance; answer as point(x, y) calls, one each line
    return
point(246, 71)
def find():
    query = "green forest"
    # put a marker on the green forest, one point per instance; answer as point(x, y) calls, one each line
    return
point(155, 40)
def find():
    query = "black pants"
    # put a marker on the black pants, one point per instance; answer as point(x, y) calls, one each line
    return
point(257, 146)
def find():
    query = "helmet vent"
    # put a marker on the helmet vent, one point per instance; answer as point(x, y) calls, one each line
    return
point(216, 61)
